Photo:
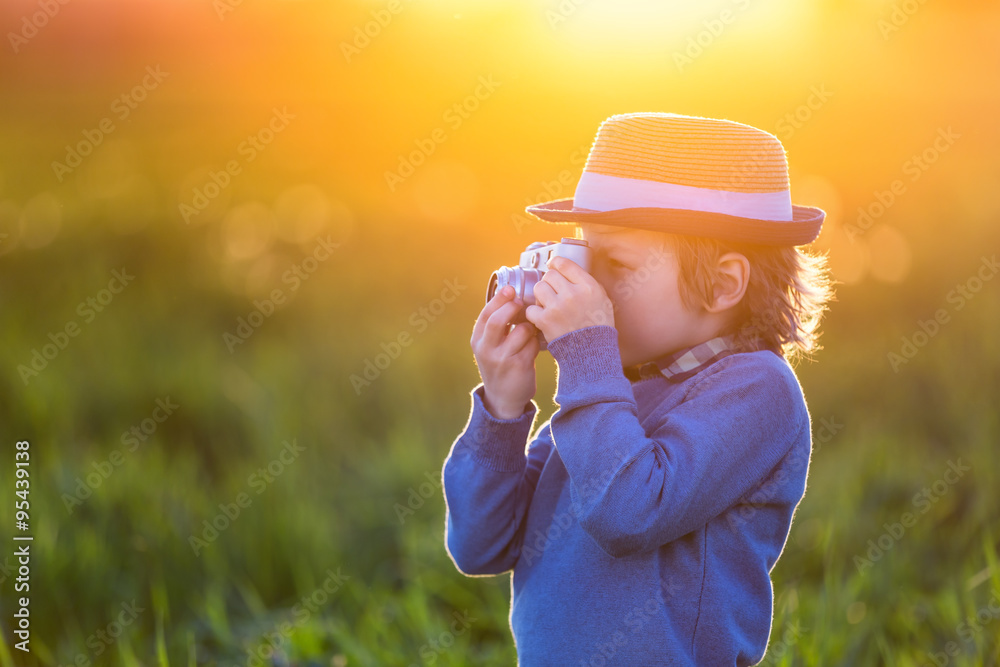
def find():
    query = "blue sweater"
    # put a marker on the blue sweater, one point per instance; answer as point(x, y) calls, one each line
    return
point(643, 519)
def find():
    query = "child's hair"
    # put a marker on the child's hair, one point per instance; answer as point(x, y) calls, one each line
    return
point(785, 299)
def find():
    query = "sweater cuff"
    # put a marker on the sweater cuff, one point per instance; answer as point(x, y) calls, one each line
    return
point(497, 444)
point(587, 355)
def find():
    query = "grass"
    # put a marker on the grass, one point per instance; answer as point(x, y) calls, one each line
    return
point(255, 593)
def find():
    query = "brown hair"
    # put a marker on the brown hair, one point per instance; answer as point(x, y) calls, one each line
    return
point(785, 299)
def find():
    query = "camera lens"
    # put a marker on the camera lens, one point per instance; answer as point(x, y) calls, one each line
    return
point(492, 288)
point(522, 280)
point(501, 278)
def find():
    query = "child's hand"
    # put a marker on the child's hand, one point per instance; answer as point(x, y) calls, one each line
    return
point(568, 299)
point(506, 361)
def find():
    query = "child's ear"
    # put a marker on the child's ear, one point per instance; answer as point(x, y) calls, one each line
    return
point(733, 273)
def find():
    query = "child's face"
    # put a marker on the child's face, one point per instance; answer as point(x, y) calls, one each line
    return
point(639, 272)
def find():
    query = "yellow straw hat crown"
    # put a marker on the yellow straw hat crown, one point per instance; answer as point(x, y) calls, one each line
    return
point(687, 175)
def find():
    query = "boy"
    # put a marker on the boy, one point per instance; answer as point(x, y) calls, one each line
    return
point(644, 519)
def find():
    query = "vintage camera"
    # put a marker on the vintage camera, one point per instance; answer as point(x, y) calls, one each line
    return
point(533, 265)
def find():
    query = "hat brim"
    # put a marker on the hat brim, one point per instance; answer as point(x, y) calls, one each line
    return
point(803, 228)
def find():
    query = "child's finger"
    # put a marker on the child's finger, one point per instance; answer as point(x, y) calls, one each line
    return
point(519, 337)
point(544, 293)
point(532, 313)
point(528, 352)
point(501, 297)
point(569, 269)
point(496, 326)
point(556, 280)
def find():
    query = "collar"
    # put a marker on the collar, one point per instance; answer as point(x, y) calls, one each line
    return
point(682, 364)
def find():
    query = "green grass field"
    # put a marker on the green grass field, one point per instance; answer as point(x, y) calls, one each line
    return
point(310, 559)
point(237, 425)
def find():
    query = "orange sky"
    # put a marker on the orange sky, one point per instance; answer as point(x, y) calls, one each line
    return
point(867, 98)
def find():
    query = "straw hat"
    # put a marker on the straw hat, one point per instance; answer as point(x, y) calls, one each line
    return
point(687, 175)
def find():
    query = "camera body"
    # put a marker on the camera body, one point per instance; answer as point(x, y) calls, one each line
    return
point(531, 268)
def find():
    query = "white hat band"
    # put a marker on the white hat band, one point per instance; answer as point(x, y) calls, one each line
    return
point(600, 192)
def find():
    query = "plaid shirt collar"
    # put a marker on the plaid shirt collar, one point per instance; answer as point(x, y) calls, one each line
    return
point(682, 364)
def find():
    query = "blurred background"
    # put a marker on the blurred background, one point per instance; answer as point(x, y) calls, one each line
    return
point(243, 244)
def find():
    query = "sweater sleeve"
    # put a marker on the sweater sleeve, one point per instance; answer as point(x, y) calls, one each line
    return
point(488, 484)
point(634, 491)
